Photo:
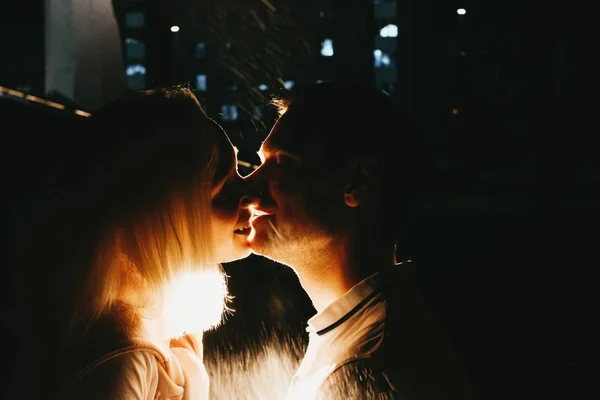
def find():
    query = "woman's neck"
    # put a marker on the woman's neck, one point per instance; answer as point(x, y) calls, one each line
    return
point(153, 330)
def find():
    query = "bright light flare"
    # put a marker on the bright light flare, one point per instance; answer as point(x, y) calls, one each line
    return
point(174, 28)
point(461, 11)
point(195, 302)
point(266, 370)
point(262, 372)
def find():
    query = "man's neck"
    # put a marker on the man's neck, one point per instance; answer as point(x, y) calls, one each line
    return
point(327, 287)
point(331, 276)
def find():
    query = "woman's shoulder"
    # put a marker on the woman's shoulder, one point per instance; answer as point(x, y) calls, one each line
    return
point(129, 373)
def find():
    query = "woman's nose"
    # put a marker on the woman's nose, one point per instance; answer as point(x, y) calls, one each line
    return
point(257, 188)
point(250, 194)
point(246, 201)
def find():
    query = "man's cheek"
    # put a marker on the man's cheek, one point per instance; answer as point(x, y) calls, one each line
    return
point(283, 188)
point(294, 185)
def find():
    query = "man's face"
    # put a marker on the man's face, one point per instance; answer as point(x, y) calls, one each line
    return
point(301, 197)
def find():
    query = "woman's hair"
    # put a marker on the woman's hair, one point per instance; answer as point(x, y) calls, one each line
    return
point(142, 194)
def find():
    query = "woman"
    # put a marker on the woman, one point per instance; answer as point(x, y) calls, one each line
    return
point(153, 208)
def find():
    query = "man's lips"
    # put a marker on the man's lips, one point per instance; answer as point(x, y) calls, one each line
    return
point(259, 213)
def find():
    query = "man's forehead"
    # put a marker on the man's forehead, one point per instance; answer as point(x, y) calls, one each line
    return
point(281, 136)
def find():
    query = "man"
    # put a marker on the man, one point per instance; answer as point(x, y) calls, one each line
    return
point(332, 186)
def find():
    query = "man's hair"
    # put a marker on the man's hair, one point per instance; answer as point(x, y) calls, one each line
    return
point(353, 120)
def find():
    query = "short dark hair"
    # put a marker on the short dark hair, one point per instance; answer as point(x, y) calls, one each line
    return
point(350, 120)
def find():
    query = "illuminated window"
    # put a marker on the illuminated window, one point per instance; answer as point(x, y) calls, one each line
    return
point(288, 84)
point(136, 78)
point(229, 112)
point(201, 82)
point(381, 59)
point(327, 48)
point(389, 30)
point(134, 19)
point(135, 69)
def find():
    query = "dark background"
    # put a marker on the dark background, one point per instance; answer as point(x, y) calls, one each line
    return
point(502, 226)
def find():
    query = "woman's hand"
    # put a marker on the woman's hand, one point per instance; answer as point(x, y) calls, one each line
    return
point(192, 342)
point(188, 350)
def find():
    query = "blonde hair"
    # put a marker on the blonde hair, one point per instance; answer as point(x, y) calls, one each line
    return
point(151, 195)
point(134, 259)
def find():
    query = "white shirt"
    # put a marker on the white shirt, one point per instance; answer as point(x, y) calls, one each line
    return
point(350, 328)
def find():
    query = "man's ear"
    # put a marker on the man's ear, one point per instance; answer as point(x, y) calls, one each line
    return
point(363, 173)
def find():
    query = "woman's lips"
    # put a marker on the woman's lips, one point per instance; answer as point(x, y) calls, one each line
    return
point(243, 229)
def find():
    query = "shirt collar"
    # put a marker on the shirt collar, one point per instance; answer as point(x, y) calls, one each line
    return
point(355, 298)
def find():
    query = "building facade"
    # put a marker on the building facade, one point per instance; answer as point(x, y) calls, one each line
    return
point(236, 55)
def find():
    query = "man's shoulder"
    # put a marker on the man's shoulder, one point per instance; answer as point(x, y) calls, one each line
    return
point(356, 379)
point(391, 378)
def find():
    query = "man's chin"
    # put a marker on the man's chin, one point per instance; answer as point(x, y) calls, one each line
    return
point(260, 249)
point(259, 241)
point(266, 249)
point(267, 242)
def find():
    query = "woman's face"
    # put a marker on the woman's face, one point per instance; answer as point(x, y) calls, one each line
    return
point(230, 216)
